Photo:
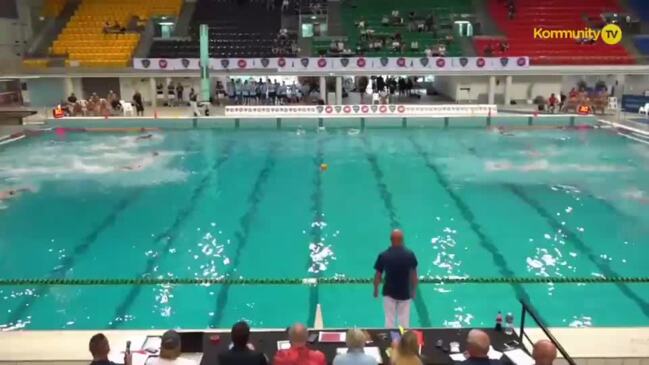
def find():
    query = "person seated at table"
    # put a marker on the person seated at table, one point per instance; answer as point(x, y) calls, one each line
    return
point(544, 352)
point(477, 348)
point(406, 351)
point(355, 354)
point(170, 351)
point(99, 348)
point(504, 46)
point(299, 353)
point(242, 352)
point(441, 50)
point(72, 98)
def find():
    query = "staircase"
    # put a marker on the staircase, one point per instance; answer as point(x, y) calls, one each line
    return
point(185, 19)
point(43, 41)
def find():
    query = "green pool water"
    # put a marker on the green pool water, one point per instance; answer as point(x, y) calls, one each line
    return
point(255, 204)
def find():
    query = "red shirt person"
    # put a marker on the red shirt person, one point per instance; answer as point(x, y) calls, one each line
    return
point(299, 353)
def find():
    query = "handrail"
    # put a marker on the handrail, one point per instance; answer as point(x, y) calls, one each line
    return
point(527, 308)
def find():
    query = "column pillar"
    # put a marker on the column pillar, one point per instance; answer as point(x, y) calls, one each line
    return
point(508, 90)
point(154, 92)
point(491, 91)
point(323, 89)
point(68, 87)
point(339, 90)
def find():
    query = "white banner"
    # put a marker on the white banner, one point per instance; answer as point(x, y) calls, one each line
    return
point(335, 64)
point(363, 110)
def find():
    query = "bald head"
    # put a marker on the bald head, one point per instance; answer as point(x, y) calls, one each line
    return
point(298, 334)
point(396, 237)
point(477, 343)
point(544, 352)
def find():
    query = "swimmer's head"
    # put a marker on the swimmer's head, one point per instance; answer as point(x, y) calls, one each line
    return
point(156, 153)
point(396, 237)
point(12, 192)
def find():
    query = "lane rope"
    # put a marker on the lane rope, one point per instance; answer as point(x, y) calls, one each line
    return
point(315, 281)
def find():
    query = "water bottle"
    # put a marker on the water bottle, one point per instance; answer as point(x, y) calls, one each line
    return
point(499, 322)
point(509, 324)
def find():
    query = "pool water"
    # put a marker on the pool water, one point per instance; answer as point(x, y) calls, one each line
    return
point(256, 204)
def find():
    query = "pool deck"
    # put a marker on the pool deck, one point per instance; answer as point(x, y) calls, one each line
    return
point(588, 346)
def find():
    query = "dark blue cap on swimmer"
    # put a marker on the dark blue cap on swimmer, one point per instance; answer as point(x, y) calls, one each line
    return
point(170, 340)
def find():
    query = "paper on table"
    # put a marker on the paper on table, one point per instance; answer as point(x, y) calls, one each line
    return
point(493, 354)
point(283, 345)
point(457, 357)
point(519, 357)
point(372, 351)
point(327, 337)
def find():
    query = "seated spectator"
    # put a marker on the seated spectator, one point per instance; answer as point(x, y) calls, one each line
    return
point(441, 50)
point(406, 351)
point(428, 52)
point(242, 352)
point(299, 354)
point(99, 348)
point(429, 23)
point(72, 98)
point(414, 45)
point(355, 354)
point(385, 20)
point(504, 46)
point(488, 51)
point(544, 352)
point(552, 103)
point(170, 351)
point(477, 348)
point(573, 93)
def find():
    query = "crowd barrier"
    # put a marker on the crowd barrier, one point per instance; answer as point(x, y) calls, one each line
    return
point(337, 64)
point(442, 110)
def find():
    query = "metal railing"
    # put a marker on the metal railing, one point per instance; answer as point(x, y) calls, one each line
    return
point(528, 309)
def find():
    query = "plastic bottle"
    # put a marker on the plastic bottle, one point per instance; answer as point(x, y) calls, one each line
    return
point(499, 322)
point(509, 324)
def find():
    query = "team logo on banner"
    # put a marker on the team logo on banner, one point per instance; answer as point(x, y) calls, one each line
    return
point(384, 61)
point(464, 61)
point(401, 62)
point(304, 62)
point(504, 61)
point(356, 108)
point(401, 108)
point(242, 63)
point(281, 62)
point(344, 62)
point(424, 61)
point(365, 109)
point(225, 63)
point(163, 64)
point(374, 108)
point(265, 62)
point(322, 62)
point(521, 61)
point(329, 109)
point(146, 63)
point(347, 109)
point(360, 62)
point(185, 62)
point(319, 108)
point(393, 108)
point(440, 62)
point(480, 62)
point(383, 109)
point(338, 108)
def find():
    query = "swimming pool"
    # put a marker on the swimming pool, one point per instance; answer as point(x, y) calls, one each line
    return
point(256, 204)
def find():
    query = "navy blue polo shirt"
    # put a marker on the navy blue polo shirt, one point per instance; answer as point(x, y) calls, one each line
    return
point(396, 262)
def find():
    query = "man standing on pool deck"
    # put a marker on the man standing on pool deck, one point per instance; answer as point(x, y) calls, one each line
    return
point(400, 267)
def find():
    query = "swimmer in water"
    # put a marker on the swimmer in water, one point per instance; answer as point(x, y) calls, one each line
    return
point(12, 193)
point(144, 137)
point(142, 163)
point(637, 195)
